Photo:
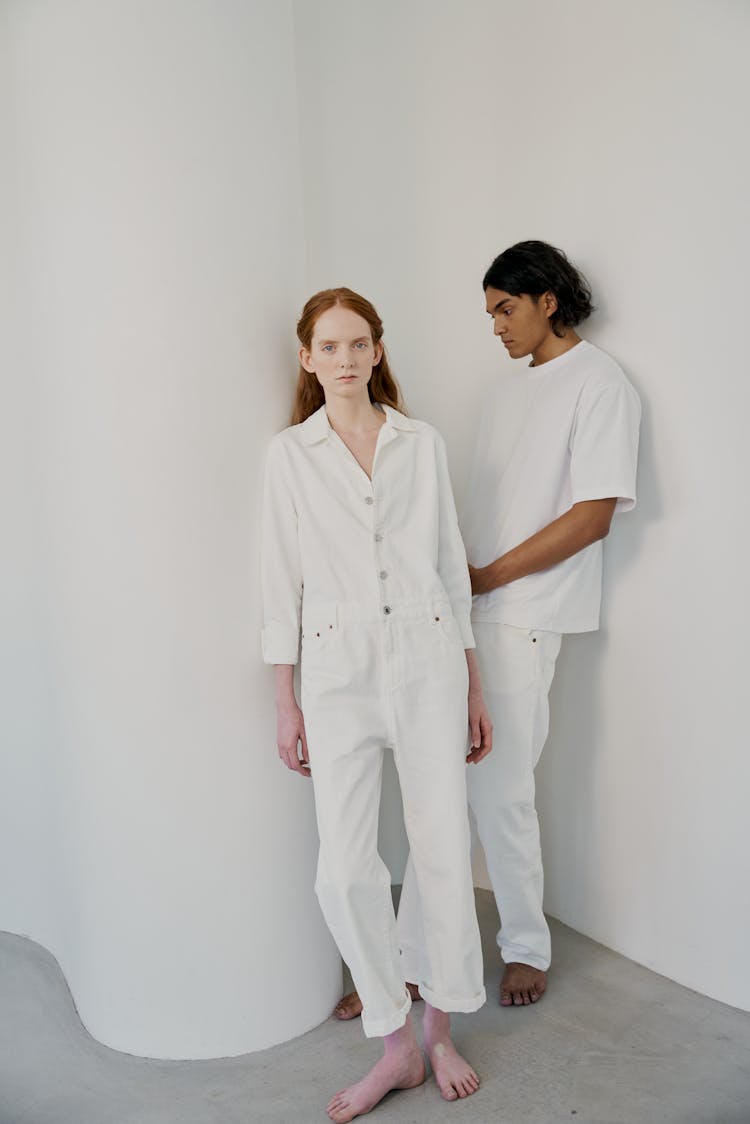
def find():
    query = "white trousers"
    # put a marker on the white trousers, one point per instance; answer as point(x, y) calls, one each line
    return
point(517, 666)
point(398, 682)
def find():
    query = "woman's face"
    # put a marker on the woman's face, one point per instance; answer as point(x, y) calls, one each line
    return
point(342, 354)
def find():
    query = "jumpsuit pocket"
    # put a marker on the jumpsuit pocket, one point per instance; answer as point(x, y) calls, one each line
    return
point(448, 628)
point(319, 630)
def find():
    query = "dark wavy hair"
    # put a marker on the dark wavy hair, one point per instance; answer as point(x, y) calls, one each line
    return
point(536, 267)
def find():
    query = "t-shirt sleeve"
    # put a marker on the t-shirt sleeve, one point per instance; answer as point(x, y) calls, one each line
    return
point(604, 445)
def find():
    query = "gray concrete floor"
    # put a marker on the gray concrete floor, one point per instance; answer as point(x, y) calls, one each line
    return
point(610, 1043)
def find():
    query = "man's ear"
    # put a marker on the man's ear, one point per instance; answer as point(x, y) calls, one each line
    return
point(548, 302)
point(305, 359)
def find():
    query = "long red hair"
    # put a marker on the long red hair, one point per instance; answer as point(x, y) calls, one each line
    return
point(309, 395)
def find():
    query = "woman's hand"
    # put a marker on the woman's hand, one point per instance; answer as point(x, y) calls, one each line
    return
point(480, 727)
point(480, 723)
point(290, 725)
point(291, 740)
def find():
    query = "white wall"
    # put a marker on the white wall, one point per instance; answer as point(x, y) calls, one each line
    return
point(435, 135)
point(149, 836)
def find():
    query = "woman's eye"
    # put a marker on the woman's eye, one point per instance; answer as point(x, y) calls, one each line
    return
point(328, 347)
point(361, 345)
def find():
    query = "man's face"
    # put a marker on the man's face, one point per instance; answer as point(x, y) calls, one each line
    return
point(521, 322)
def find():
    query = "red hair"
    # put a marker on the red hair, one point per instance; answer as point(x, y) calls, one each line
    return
point(309, 395)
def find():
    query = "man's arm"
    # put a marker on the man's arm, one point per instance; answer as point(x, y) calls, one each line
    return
point(583, 524)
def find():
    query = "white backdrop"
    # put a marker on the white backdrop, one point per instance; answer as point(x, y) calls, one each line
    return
point(177, 177)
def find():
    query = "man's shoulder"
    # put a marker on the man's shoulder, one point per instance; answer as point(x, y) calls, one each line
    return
point(597, 367)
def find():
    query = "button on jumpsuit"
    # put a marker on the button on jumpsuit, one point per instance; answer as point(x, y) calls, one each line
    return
point(373, 575)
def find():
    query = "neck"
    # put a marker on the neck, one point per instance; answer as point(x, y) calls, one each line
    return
point(553, 346)
point(353, 415)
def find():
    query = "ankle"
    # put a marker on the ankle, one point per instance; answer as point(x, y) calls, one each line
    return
point(437, 1023)
point(401, 1041)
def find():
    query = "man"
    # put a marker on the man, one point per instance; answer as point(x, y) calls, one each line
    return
point(555, 458)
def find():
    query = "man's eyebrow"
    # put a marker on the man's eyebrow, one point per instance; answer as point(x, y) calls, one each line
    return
point(498, 306)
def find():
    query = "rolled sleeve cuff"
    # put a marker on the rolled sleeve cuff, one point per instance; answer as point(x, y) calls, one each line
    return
point(280, 644)
point(467, 636)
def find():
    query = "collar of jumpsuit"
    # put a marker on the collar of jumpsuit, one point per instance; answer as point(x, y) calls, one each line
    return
point(318, 428)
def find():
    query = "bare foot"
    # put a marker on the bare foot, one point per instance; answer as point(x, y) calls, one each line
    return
point(350, 1007)
point(521, 984)
point(455, 1077)
point(401, 1067)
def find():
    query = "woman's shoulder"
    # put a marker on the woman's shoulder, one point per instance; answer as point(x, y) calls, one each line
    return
point(411, 425)
point(303, 433)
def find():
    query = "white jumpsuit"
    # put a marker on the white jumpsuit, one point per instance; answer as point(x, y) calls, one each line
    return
point(373, 573)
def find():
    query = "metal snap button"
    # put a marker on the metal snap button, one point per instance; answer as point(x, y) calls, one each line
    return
point(386, 609)
point(369, 500)
point(383, 575)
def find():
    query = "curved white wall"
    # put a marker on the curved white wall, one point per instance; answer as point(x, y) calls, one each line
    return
point(149, 835)
point(618, 132)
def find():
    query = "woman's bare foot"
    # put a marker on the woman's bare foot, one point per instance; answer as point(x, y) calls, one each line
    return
point(521, 984)
point(454, 1075)
point(401, 1067)
point(350, 1007)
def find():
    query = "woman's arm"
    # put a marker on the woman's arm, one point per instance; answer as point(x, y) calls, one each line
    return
point(452, 567)
point(290, 725)
point(480, 723)
point(281, 565)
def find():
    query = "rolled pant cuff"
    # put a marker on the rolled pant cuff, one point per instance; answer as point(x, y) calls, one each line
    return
point(378, 1028)
point(452, 1004)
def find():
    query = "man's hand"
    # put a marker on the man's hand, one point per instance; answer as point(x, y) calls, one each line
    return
point(480, 728)
point(291, 740)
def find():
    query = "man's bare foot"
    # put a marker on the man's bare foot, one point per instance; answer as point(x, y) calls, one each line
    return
point(521, 984)
point(401, 1067)
point(350, 1007)
point(454, 1075)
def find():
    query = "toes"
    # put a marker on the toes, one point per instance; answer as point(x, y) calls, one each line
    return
point(448, 1092)
point(506, 999)
point(349, 1007)
point(339, 1110)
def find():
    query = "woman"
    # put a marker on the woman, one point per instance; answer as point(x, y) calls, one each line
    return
point(362, 554)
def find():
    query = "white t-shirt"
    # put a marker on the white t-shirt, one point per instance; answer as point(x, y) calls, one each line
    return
point(554, 435)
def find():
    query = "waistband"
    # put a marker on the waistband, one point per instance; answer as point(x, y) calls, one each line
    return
point(333, 614)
